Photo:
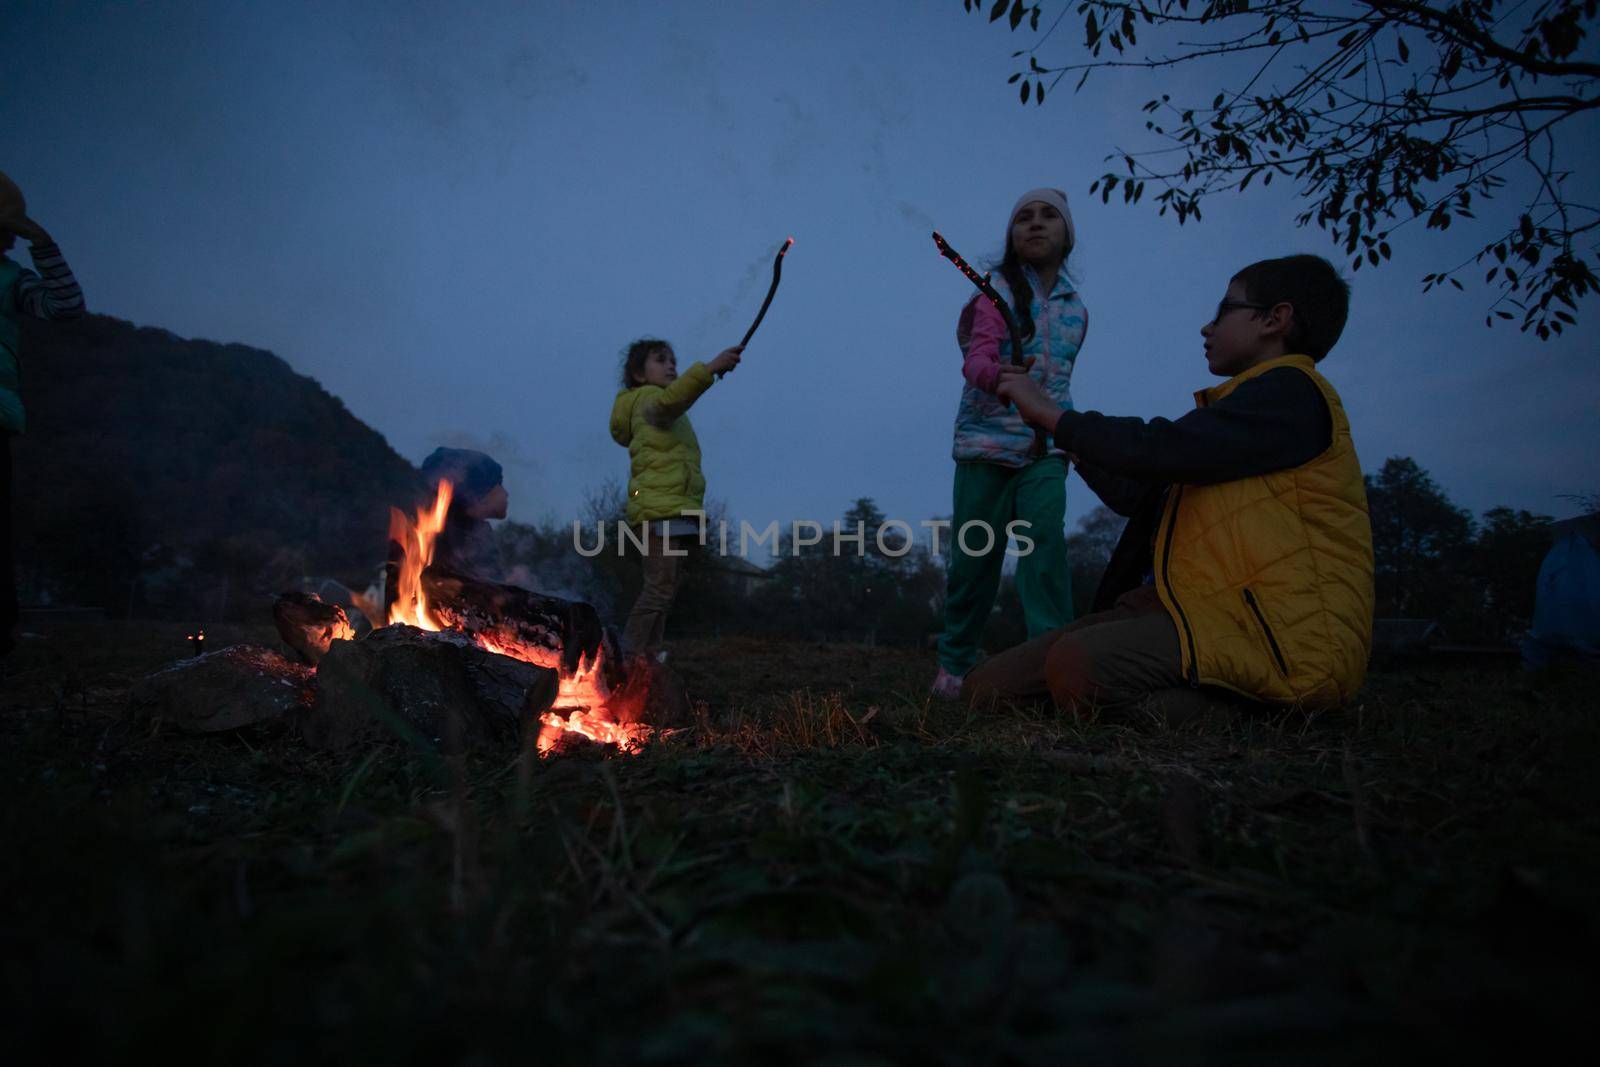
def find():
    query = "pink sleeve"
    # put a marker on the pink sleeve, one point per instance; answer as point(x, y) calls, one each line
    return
point(981, 368)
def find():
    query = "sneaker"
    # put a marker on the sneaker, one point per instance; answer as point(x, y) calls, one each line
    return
point(947, 686)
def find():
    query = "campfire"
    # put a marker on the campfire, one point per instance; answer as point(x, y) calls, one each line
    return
point(451, 658)
point(593, 698)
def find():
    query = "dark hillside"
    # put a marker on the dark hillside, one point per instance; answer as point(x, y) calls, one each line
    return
point(167, 475)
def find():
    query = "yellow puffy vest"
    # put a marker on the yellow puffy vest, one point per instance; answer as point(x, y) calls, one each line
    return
point(664, 478)
point(1269, 579)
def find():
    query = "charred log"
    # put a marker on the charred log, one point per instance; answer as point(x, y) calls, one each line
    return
point(308, 625)
point(439, 685)
point(510, 615)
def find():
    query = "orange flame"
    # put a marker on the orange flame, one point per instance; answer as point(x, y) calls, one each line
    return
point(416, 546)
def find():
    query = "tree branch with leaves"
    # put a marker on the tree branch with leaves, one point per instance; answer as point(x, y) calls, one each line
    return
point(1383, 112)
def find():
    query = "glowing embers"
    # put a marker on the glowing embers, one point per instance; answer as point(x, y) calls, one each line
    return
point(555, 731)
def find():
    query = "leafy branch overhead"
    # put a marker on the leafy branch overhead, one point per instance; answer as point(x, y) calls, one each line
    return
point(1384, 112)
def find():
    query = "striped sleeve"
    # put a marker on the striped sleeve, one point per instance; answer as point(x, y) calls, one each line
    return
point(53, 292)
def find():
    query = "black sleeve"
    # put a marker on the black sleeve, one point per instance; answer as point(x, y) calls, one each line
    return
point(1121, 495)
point(1270, 423)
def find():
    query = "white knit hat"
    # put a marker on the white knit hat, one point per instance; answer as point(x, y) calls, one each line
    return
point(1056, 199)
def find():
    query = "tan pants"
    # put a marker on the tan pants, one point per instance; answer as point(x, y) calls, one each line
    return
point(1108, 662)
point(647, 622)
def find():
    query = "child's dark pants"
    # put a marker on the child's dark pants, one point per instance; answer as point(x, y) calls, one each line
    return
point(647, 622)
point(1108, 662)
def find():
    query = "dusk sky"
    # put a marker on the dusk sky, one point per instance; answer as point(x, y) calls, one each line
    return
point(455, 222)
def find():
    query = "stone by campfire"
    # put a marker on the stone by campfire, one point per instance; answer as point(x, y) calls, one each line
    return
point(223, 690)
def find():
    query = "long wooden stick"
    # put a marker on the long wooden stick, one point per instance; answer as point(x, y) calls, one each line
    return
point(988, 290)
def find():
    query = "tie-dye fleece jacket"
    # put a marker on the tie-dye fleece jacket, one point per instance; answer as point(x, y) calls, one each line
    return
point(988, 429)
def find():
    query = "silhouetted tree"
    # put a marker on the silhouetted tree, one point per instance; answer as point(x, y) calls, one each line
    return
point(1588, 503)
point(1418, 538)
point(1506, 555)
point(1383, 112)
point(877, 582)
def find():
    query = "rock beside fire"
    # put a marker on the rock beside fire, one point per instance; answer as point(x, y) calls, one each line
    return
point(224, 690)
point(441, 685)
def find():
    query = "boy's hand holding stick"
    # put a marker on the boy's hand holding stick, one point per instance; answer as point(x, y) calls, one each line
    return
point(987, 289)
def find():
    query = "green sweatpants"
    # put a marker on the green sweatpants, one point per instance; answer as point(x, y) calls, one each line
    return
point(990, 494)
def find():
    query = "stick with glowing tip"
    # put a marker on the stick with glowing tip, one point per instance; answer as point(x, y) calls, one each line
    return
point(777, 273)
point(994, 297)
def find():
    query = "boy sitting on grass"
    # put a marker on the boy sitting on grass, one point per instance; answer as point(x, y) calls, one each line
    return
point(1246, 564)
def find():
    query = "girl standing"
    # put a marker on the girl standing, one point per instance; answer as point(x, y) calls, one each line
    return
point(650, 420)
point(999, 478)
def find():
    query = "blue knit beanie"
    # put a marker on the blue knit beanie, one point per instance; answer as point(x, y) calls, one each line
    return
point(473, 474)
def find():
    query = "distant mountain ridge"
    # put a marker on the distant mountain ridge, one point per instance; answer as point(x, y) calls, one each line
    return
point(156, 467)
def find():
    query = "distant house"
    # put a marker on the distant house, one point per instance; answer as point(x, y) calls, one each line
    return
point(744, 575)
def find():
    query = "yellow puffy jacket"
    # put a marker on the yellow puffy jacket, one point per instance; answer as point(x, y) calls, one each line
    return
point(664, 478)
point(1269, 578)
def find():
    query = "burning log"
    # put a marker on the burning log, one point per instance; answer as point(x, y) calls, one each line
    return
point(597, 694)
point(308, 625)
point(599, 686)
point(224, 690)
point(520, 622)
point(442, 685)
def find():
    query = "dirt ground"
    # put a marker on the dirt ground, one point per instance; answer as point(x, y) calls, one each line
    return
point(824, 867)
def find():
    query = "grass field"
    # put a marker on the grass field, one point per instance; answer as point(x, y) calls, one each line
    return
point(823, 868)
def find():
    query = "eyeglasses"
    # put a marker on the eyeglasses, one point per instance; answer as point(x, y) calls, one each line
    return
point(1226, 306)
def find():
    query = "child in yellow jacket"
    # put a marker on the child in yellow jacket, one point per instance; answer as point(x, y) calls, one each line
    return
point(665, 486)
